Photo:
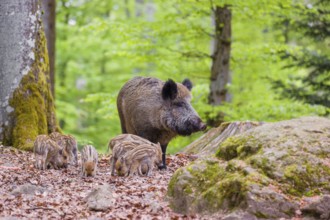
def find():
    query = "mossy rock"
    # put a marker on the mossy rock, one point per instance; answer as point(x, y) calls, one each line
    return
point(293, 153)
point(210, 186)
point(263, 172)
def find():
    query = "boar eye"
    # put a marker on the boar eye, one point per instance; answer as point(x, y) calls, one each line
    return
point(179, 104)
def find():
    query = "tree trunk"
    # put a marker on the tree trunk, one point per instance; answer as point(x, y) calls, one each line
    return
point(26, 103)
point(207, 144)
point(139, 4)
point(220, 75)
point(48, 18)
point(127, 11)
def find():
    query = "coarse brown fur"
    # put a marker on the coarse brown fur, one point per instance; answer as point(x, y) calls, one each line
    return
point(122, 144)
point(89, 160)
point(157, 110)
point(69, 144)
point(140, 160)
point(48, 153)
point(118, 140)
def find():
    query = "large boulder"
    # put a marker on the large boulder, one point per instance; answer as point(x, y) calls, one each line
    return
point(264, 172)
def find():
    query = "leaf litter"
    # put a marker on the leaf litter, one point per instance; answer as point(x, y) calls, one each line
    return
point(62, 192)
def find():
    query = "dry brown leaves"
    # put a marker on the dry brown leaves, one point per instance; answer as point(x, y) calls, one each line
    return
point(135, 197)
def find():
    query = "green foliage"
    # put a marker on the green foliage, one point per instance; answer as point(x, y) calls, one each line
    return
point(102, 44)
point(313, 85)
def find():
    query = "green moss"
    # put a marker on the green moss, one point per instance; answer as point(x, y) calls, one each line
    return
point(227, 193)
point(250, 148)
point(228, 149)
point(238, 146)
point(263, 164)
point(188, 190)
point(211, 180)
point(34, 111)
point(305, 180)
point(206, 177)
point(261, 215)
point(173, 181)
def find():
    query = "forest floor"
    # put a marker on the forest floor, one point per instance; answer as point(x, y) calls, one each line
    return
point(64, 191)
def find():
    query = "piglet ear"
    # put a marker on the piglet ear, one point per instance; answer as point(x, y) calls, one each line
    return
point(187, 83)
point(170, 90)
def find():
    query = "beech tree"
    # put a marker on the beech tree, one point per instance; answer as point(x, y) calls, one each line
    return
point(26, 102)
point(49, 22)
point(220, 75)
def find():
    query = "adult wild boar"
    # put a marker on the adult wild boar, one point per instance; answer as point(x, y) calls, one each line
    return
point(157, 110)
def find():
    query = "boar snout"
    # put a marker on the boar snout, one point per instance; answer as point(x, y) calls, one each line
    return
point(202, 126)
point(199, 125)
point(190, 126)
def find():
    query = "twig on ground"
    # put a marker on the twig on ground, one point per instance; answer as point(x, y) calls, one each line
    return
point(10, 168)
point(46, 208)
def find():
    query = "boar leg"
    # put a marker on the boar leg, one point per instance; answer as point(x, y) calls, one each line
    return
point(150, 167)
point(163, 166)
point(95, 169)
point(39, 162)
point(112, 165)
point(134, 168)
point(83, 169)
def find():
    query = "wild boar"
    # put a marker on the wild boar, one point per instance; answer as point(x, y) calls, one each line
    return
point(118, 151)
point(72, 148)
point(68, 143)
point(118, 140)
point(89, 160)
point(140, 160)
point(157, 110)
point(48, 153)
point(121, 144)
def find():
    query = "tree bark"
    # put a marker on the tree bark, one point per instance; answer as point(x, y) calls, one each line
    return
point(48, 18)
point(127, 11)
point(139, 4)
point(207, 144)
point(220, 75)
point(26, 102)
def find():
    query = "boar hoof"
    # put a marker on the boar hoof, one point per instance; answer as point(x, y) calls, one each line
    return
point(162, 167)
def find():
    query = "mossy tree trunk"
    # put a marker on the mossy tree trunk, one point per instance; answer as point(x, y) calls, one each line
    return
point(26, 103)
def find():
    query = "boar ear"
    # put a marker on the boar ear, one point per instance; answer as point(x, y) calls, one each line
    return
point(187, 83)
point(170, 90)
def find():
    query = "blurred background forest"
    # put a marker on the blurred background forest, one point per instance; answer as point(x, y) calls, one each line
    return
point(279, 66)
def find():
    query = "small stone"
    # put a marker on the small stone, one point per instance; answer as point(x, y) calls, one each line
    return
point(155, 207)
point(28, 189)
point(101, 198)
